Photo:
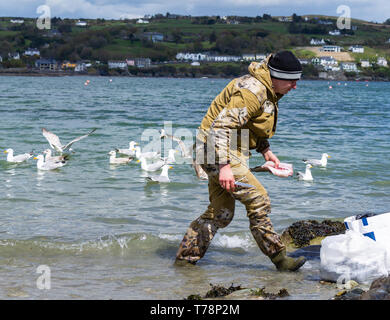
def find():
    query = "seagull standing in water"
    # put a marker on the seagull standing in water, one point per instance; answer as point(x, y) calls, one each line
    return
point(130, 151)
point(307, 175)
point(114, 160)
point(48, 165)
point(163, 177)
point(319, 163)
point(18, 158)
point(55, 142)
point(146, 155)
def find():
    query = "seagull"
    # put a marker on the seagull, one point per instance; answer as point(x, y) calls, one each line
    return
point(49, 157)
point(130, 151)
point(307, 175)
point(55, 142)
point(114, 160)
point(184, 151)
point(163, 177)
point(321, 163)
point(48, 165)
point(17, 159)
point(153, 166)
point(146, 155)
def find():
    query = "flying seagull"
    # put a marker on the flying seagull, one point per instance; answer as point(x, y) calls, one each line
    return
point(184, 150)
point(55, 142)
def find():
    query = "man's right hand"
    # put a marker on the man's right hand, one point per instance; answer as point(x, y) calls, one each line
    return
point(226, 177)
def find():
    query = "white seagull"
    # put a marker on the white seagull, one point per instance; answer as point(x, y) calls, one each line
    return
point(18, 158)
point(55, 142)
point(152, 166)
point(307, 175)
point(184, 151)
point(319, 163)
point(48, 165)
point(114, 160)
point(130, 151)
point(163, 177)
point(146, 155)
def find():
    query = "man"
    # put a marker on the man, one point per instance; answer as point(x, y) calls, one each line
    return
point(246, 104)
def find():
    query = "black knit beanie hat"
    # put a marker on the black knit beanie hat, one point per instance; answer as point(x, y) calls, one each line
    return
point(284, 65)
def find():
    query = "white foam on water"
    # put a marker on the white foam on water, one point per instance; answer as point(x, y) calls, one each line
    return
point(235, 241)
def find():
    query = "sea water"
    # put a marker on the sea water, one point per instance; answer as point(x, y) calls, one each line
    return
point(90, 230)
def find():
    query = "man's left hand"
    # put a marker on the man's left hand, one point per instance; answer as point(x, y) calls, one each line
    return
point(269, 156)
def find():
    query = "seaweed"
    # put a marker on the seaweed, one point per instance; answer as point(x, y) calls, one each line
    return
point(262, 293)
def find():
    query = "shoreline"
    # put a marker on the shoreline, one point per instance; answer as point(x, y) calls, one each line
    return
point(34, 73)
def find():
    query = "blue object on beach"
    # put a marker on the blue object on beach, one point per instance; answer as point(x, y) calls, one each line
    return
point(244, 185)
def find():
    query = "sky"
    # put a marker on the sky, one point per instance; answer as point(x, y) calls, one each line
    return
point(369, 10)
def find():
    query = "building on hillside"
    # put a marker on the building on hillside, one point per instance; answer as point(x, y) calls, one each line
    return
point(356, 49)
point(32, 52)
point(317, 42)
point(186, 56)
point(14, 55)
point(260, 56)
point(139, 62)
point(46, 64)
point(19, 21)
point(81, 23)
point(114, 64)
point(285, 19)
point(348, 66)
point(142, 21)
point(68, 65)
point(382, 62)
point(215, 58)
point(249, 56)
point(153, 36)
point(330, 48)
point(335, 32)
point(365, 63)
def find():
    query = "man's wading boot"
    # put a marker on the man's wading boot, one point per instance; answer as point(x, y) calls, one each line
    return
point(285, 263)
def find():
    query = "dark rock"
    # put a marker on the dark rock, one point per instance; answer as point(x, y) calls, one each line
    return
point(379, 290)
point(262, 293)
point(354, 294)
point(301, 233)
point(220, 291)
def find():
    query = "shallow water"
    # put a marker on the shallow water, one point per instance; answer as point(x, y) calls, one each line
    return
point(104, 232)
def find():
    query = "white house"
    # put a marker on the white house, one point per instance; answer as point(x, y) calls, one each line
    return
point(117, 64)
point(382, 62)
point(15, 55)
point(328, 61)
point(356, 49)
point(260, 56)
point(348, 66)
point(81, 23)
point(335, 32)
point(224, 58)
point(249, 57)
point(316, 42)
point(17, 21)
point(142, 21)
point(365, 63)
point(32, 52)
point(330, 48)
point(191, 56)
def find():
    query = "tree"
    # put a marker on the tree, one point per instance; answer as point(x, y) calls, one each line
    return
point(212, 37)
point(387, 21)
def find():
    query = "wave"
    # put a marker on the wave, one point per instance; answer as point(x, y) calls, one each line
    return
point(127, 244)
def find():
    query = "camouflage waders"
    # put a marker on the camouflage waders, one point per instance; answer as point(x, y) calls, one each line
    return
point(221, 210)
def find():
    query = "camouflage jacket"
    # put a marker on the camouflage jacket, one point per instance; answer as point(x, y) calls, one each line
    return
point(248, 102)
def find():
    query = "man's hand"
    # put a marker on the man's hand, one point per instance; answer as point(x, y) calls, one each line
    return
point(226, 178)
point(269, 156)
